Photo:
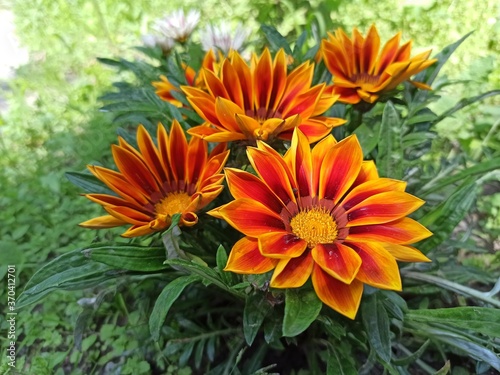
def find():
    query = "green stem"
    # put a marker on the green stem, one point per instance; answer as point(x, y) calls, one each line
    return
point(457, 288)
point(207, 335)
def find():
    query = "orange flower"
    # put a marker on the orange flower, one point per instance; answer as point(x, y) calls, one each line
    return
point(361, 73)
point(322, 213)
point(261, 101)
point(154, 183)
point(164, 87)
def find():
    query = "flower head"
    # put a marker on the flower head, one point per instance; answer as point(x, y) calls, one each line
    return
point(178, 25)
point(261, 101)
point(361, 73)
point(154, 183)
point(166, 44)
point(164, 87)
point(323, 214)
point(223, 38)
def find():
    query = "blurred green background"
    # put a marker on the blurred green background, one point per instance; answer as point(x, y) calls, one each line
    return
point(50, 123)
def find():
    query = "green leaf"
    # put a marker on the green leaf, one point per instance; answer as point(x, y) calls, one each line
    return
point(301, 309)
point(256, 309)
point(464, 102)
point(472, 349)
point(276, 40)
point(164, 302)
point(88, 182)
point(429, 75)
point(221, 259)
point(376, 323)
point(412, 357)
point(444, 370)
point(132, 258)
point(367, 137)
point(390, 149)
point(476, 170)
point(478, 319)
point(443, 219)
point(207, 274)
point(337, 365)
point(332, 327)
point(70, 271)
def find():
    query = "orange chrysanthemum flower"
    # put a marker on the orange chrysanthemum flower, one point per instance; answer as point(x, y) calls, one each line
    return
point(261, 101)
point(164, 87)
point(361, 73)
point(155, 183)
point(322, 213)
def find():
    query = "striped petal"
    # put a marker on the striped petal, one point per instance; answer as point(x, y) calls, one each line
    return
point(281, 245)
point(403, 232)
point(405, 253)
point(292, 273)
point(370, 188)
point(106, 221)
point(343, 298)
point(249, 217)
point(245, 258)
point(177, 151)
point(337, 260)
point(378, 267)
point(383, 208)
point(272, 171)
point(246, 185)
point(340, 168)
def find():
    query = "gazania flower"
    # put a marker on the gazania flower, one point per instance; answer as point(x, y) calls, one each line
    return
point(361, 73)
point(261, 101)
point(178, 25)
point(322, 214)
point(156, 182)
point(223, 38)
point(164, 87)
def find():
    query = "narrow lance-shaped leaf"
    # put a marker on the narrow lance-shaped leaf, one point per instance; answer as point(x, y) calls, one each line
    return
point(256, 309)
point(429, 75)
point(412, 357)
point(476, 170)
point(276, 40)
point(132, 258)
point(390, 150)
point(70, 271)
point(337, 365)
point(443, 219)
point(464, 103)
point(164, 302)
point(301, 309)
point(376, 323)
point(88, 182)
point(478, 319)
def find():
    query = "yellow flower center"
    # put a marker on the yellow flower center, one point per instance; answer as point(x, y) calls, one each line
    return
point(173, 203)
point(315, 226)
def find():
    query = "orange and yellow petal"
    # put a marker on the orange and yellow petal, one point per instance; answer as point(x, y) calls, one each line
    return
point(249, 217)
point(383, 208)
point(293, 272)
point(281, 245)
point(403, 232)
point(245, 258)
point(405, 253)
point(246, 185)
point(378, 266)
point(106, 221)
point(343, 298)
point(337, 260)
point(339, 169)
